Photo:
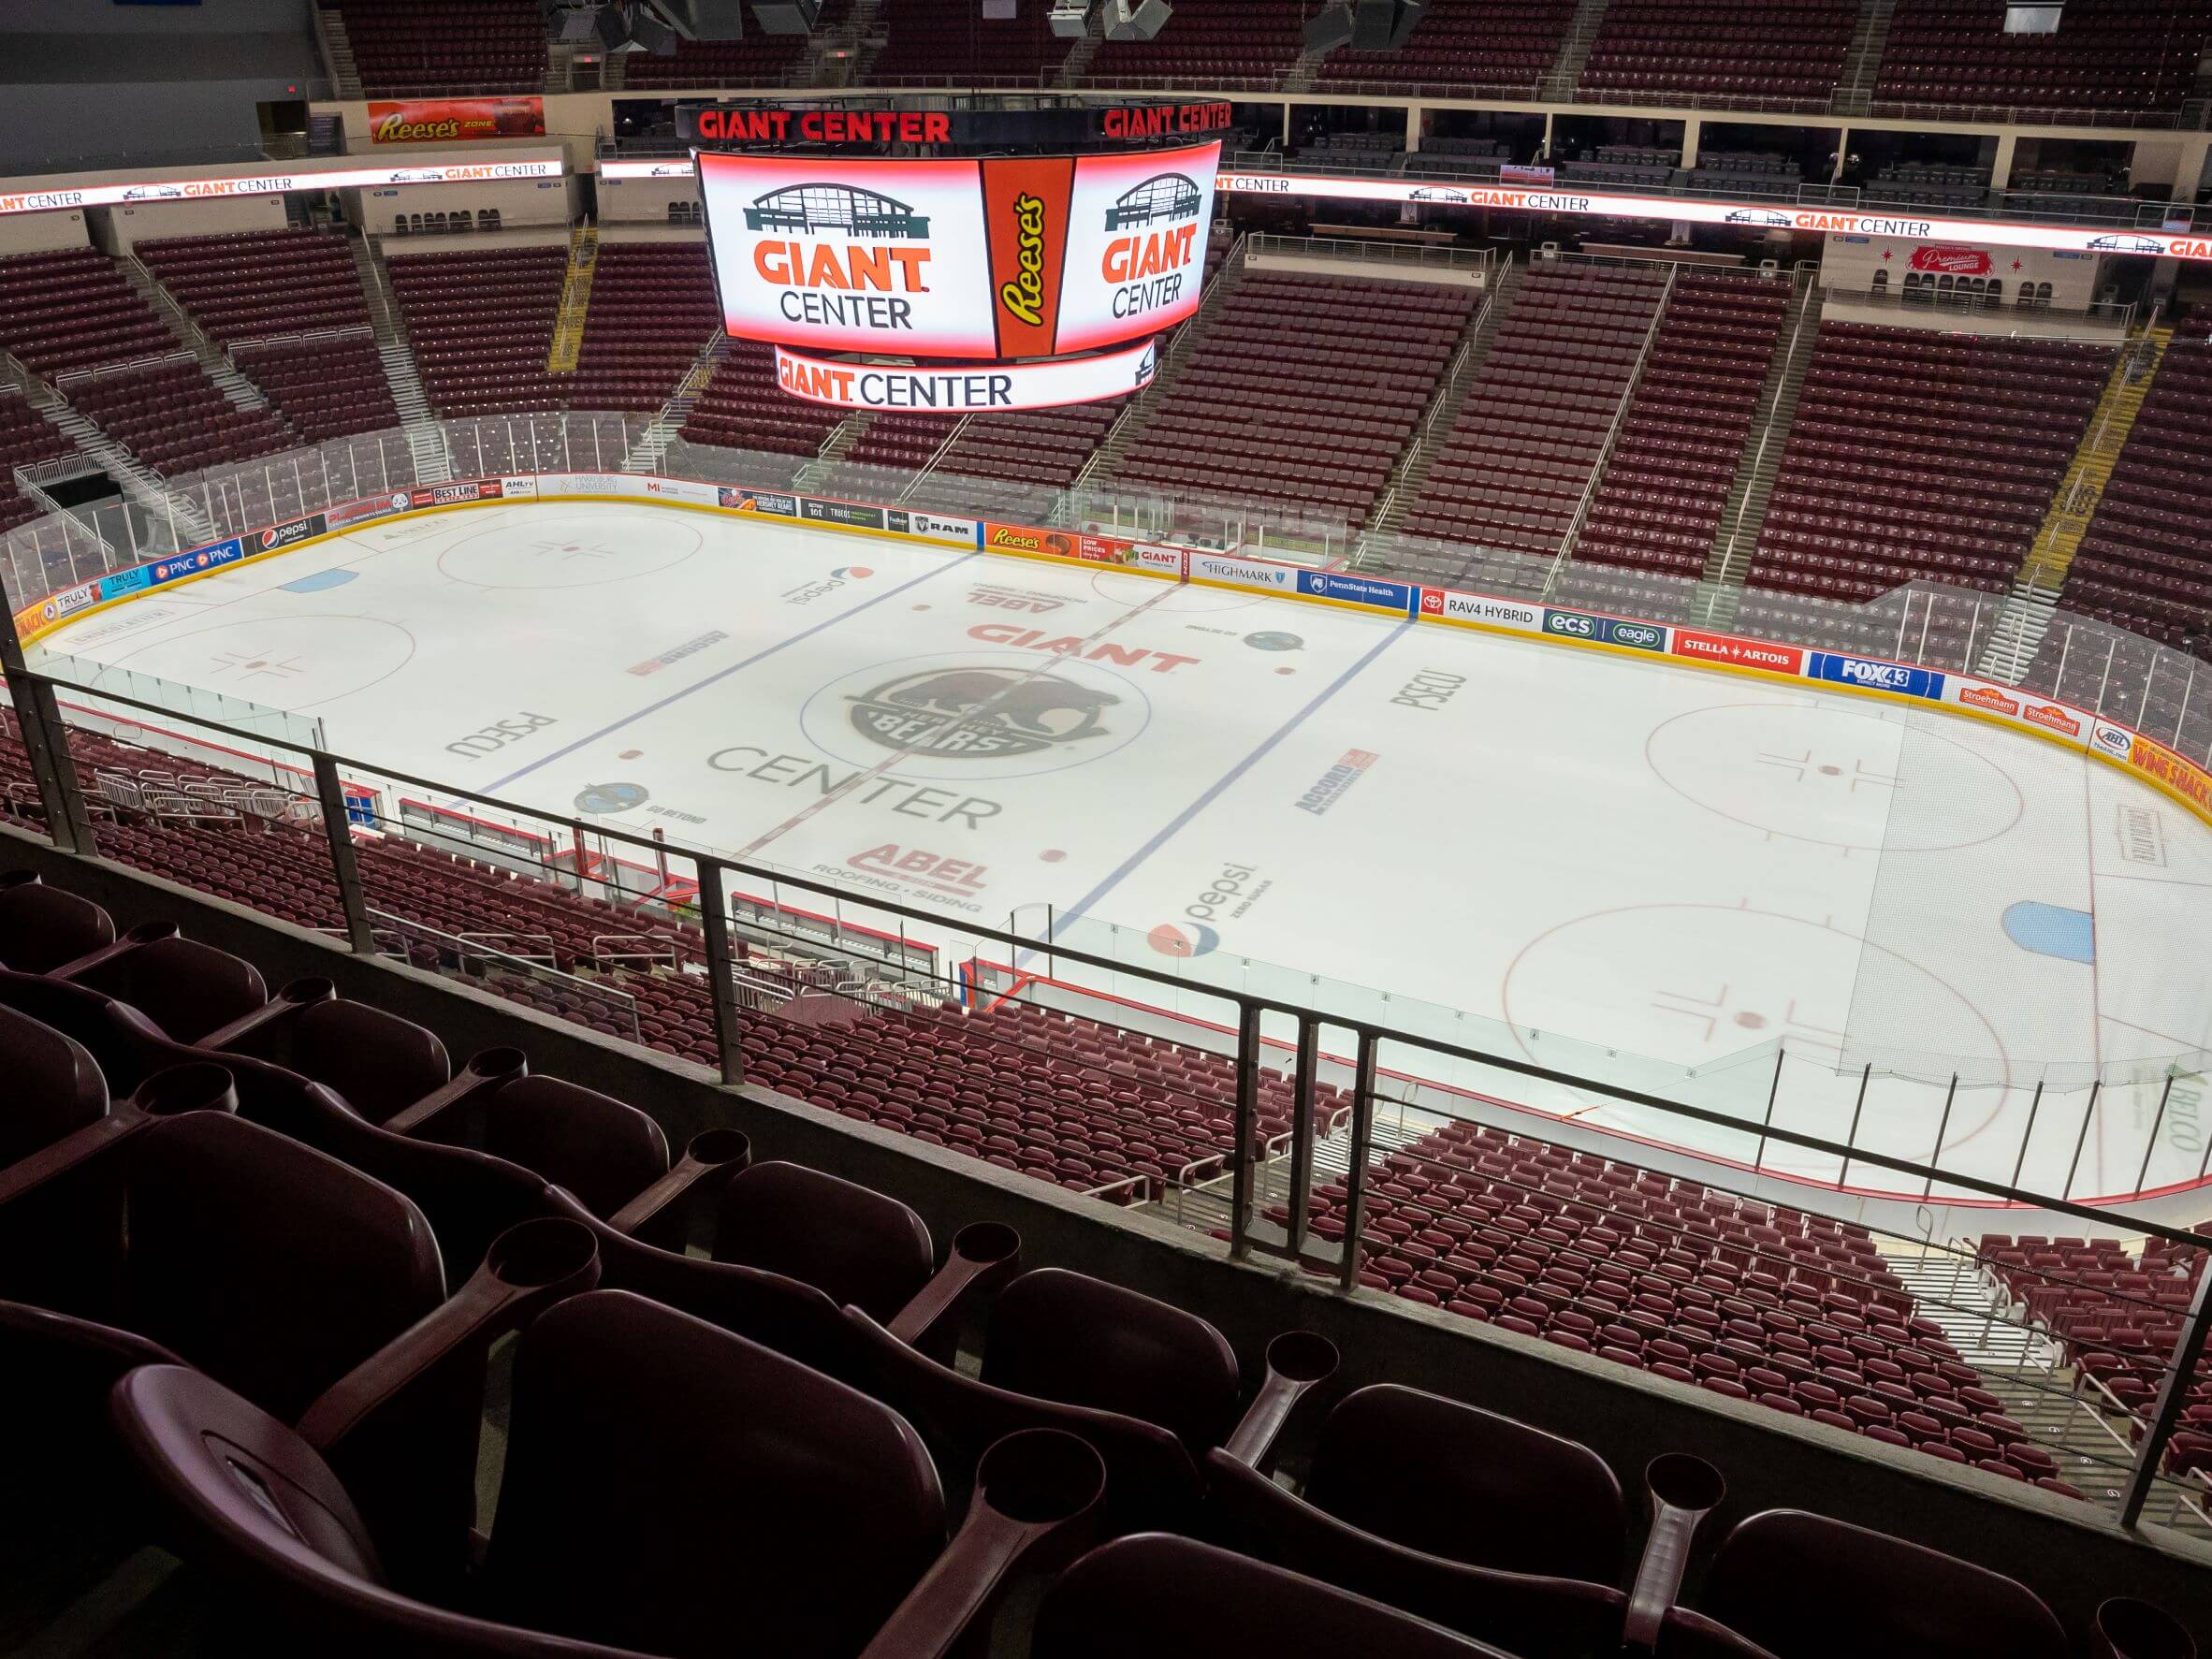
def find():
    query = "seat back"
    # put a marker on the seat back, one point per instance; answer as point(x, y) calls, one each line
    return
point(1065, 1336)
point(1454, 1480)
point(53, 1085)
point(41, 928)
point(470, 1197)
point(1171, 1598)
point(245, 1494)
point(604, 1150)
point(269, 1266)
point(673, 1488)
point(378, 1061)
point(186, 988)
point(859, 1247)
point(1524, 1612)
point(1150, 1478)
point(1805, 1587)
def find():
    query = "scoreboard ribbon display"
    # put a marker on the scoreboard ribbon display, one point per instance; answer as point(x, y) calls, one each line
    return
point(1018, 257)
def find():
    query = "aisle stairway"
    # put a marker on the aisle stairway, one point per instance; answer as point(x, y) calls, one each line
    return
point(1738, 533)
point(2091, 470)
point(424, 442)
point(576, 301)
point(1444, 410)
point(2029, 1375)
point(2034, 599)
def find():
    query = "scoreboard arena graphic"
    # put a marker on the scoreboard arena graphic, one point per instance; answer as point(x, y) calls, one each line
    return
point(1048, 278)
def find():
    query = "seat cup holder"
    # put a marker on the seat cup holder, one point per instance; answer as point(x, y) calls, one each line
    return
point(2126, 1628)
point(1035, 1505)
point(984, 1256)
point(197, 1086)
point(503, 1063)
point(1297, 1362)
point(542, 1255)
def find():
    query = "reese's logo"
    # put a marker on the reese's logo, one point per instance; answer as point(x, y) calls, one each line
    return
point(1024, 295)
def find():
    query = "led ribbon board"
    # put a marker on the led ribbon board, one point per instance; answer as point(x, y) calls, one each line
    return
point(979, 390)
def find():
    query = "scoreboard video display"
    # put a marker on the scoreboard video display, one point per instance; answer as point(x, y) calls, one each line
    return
point(998, 257)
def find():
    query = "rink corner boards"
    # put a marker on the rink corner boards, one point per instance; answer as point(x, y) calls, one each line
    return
point(1675, 644)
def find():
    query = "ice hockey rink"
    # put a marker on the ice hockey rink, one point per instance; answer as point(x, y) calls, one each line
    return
point(1620, 868)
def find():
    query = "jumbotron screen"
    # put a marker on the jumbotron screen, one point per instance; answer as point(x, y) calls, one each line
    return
point(1027, 256)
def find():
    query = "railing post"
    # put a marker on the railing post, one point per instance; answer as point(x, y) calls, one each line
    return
point(1301, 1129)
point(1773, 1093)
point(2088, 1116)
point(1935, 1158)
point(1355, 1176)
point(2174, 1392)
point(46, 744)
point(339, 831)
point(1851, 1139)
point(714, 922)
point(2034, 1106)
point(2158, 1122)
point(1247, 1128)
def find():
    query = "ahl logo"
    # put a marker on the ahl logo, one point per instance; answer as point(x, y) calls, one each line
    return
point(2114, 740)
point(992, 713)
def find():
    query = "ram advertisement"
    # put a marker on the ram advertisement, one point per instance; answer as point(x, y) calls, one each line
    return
point(1013, 257)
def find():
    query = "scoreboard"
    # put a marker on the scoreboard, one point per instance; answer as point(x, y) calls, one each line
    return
point(977, 258)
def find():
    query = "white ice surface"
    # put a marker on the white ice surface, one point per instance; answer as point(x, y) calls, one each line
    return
point(1658, 871)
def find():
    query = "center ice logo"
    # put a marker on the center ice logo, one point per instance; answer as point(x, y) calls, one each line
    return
point(981, 712)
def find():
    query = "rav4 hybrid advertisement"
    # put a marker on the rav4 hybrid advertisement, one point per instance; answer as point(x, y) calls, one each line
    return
point(1025, 256)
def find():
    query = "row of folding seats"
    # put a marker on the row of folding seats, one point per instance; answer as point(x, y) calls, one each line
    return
point(744, 408)
point(2110, 54)
point(246, 286)
point(1749, 1301)
point(1781, 48)
point(2115, 1318)
point(413, 48)
point(1547, 392)
point(1243, 418)
point(935, 40)
point(25, 437)
point(1225, 43)
point(72, 309)
point(1660, 503)
point(1975, 431)
point(1500, 43)
point(2143, 563)
point(174, 418)
point(1127, 1116)
point(243, 1213)
point(481, 325)
point(323, 389)
point(652, 309)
